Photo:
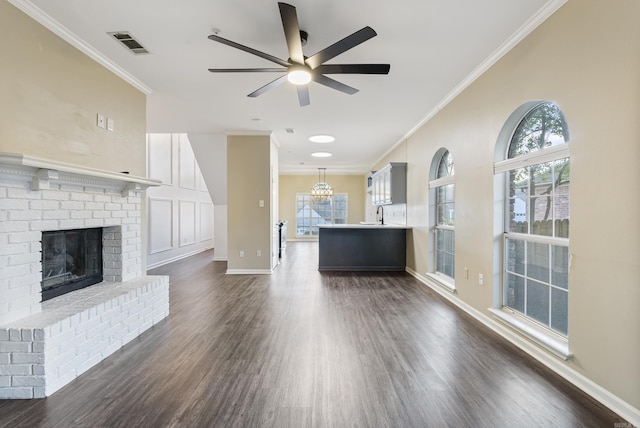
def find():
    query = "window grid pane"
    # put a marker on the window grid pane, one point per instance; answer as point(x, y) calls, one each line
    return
point(543, 127)
point(445, 252)
point(445, 208)
point(536, 280)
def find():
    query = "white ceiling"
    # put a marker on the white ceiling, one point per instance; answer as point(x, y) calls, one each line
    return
point(435, 48)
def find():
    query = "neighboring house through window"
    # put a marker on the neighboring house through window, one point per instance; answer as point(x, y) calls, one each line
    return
point(312, 212)
point(443, 211)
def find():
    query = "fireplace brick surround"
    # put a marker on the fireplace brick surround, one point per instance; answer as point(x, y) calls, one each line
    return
point(44, 346)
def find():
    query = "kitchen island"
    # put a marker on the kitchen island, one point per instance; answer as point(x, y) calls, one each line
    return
point(362, 247)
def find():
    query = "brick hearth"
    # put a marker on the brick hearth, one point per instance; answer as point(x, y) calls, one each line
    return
point(43, 346)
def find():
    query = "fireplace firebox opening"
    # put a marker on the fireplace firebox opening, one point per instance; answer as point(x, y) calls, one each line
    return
point(71, 260)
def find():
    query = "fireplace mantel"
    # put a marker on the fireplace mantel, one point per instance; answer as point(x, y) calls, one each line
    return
point(41, 173)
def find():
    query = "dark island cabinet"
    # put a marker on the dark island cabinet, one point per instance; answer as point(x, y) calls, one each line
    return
point(357, 248)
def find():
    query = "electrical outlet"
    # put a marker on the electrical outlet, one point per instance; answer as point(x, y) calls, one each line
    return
point(100, 121)
point(466, 273)
point(261, 203)
point(259, 253)
point(480, 279)
point(241, 253)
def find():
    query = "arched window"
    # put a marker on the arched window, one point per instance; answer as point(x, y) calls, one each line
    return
point(536, 235)
point(443, 210)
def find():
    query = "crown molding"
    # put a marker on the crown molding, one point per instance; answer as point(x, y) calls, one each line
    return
point(335, 170)
point(63, 32)
point(545, 12)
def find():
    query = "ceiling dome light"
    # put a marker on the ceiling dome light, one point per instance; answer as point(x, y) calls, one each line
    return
point(322, 139)
point(298, 75)
point(321, 154)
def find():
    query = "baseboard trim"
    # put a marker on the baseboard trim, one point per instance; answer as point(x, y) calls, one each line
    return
point(249, 271)
point(176, 258)
point(606, 398)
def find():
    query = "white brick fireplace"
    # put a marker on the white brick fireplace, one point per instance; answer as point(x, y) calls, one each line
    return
point(45, 345)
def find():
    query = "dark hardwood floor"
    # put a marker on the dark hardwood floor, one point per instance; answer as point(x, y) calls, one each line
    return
point(301, 348)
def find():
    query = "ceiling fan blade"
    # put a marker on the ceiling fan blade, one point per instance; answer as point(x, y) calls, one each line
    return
point(341, 46)
point(249, 50)
point(279, 81)
point(247, 70)
point(353, 69)
point(303, 95)
point(291, 32)
point(334, 84)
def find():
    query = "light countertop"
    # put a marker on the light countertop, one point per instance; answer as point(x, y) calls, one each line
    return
point(364, 225)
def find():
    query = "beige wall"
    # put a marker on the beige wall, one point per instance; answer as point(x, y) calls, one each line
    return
point(51, 94)
point(354, 185)
point(585, 58)
point(250, 227)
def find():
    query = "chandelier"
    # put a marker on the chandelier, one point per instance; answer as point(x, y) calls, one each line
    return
point(321, 191)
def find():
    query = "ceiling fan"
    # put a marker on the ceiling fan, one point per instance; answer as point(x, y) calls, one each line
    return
point(300, 69)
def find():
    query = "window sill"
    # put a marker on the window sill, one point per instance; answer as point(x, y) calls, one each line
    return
point(557, 345)
point(443, 281)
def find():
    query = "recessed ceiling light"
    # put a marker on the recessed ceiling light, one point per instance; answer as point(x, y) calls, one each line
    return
point(322, 139)
point(321, 154)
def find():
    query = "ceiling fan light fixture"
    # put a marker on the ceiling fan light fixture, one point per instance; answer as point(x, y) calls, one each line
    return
point(300, 69)
point(298, 75)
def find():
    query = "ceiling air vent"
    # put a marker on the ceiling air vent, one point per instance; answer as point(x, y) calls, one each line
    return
point(129, 42)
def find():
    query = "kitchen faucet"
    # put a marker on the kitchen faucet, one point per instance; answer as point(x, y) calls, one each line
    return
point(380, 211)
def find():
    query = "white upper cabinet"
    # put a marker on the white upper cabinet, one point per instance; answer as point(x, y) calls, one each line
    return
point(389, 184)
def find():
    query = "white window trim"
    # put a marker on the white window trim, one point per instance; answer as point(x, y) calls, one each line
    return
point(445, 227)
point(557, 344)
point(443, 280)
point(547, 154)
point(442, 181)
point(538, 239)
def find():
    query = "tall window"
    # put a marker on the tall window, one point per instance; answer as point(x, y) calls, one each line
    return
point(536, 238)
point(312, 212)
point(444, 232)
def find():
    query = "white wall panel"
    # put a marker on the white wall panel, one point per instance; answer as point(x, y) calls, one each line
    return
point(206, 221)
point(160, 165)
point(185, 226)
point(186, 164)
point(160, 225)
point(187, 223)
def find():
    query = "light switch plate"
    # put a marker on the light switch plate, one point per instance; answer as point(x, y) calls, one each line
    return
point(109, 124)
